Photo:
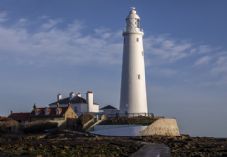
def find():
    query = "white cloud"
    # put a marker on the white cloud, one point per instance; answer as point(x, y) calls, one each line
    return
point(22, 21)
point(44, 17)
point(51, 23)
point(204, 49)
point(167, 48)
point(66, 45)
point(203, 61)
point(220, 66)
point(69, 45)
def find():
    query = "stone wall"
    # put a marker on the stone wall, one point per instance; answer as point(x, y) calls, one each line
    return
point(163, 127)
point(70, 114)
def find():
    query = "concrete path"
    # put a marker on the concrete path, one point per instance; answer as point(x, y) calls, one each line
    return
point(153, 150)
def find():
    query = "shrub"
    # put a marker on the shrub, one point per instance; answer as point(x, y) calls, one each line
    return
point(84, 118)
point(39, 126)
point(8, 125)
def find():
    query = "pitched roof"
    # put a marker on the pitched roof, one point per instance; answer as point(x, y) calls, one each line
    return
point(108, 107)
point(20, 116)
point(74, 100)
point(49, 111)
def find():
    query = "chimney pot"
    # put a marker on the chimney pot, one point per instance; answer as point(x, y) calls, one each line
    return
point(71, 95)
point(59, 97)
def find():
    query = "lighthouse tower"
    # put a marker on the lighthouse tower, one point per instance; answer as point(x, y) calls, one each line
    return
point(133, 84)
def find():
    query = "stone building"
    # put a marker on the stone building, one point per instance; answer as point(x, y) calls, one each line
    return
point(63, 115)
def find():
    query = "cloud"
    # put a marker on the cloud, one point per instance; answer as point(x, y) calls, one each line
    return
point(204, 49)
point(203, 61)
point(54, 43)
point(3, 16)
point(220, 66)
point(22, 20)
point(167, 48)
point(67, 45)
point(70, 45)
point(51, 23)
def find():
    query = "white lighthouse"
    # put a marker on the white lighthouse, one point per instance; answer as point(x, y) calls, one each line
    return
point(133, 84)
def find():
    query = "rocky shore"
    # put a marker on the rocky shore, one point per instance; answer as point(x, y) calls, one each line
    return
point(186, 146)
point(66, 144)
point(71, 143)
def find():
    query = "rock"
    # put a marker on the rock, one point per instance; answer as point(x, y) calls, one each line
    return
point(66, 147)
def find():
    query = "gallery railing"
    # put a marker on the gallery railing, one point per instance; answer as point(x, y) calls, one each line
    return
point(134, 114)
point(113, 115)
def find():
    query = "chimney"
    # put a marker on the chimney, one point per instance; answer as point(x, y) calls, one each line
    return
point(47, 111)
point(58, 105)
point(11, 112)
point(90, 101)
point(34, 106)
point(59, 97)
point(71, 95)
point(78, 94)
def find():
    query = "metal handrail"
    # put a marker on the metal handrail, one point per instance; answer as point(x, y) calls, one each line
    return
point(128, 114)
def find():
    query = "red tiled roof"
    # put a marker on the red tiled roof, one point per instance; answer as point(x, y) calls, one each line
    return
point(20, 116)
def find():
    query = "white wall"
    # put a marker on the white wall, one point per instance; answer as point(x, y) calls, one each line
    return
point(90, 101)
point(83, 107)
point(133, 83)
point(118, 130)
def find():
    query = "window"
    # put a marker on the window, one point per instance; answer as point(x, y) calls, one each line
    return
point(47, 111)
point(138, 23)
point(58, 111)
point(137, 39)
point(139, 77)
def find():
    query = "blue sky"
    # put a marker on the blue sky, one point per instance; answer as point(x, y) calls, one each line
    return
point(62, 46)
